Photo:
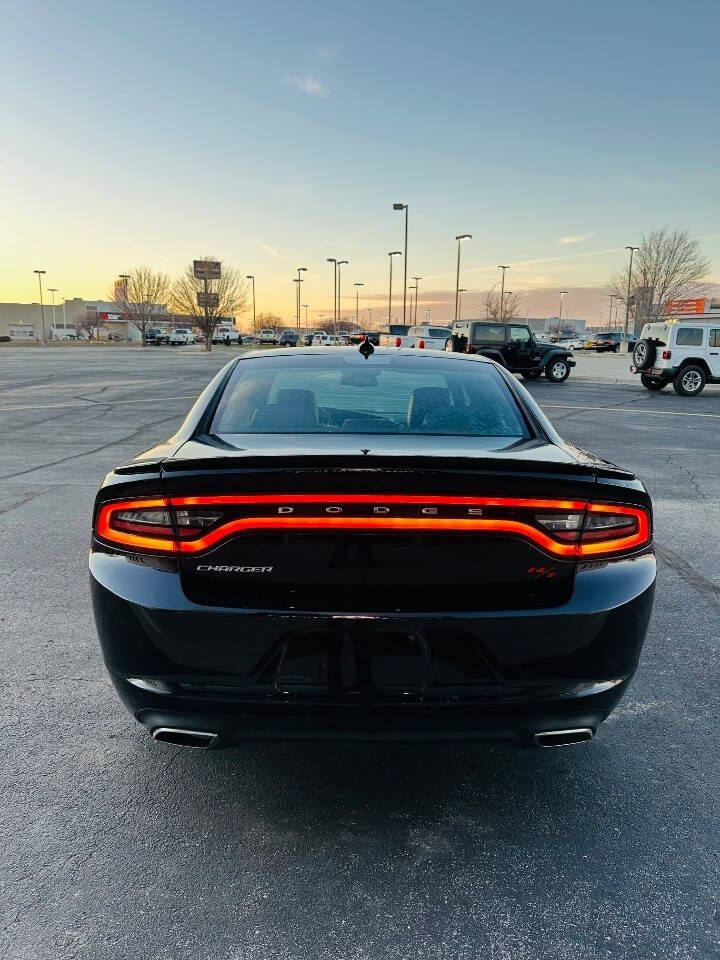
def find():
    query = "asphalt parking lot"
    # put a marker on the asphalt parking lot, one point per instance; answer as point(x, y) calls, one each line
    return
point(116, 847)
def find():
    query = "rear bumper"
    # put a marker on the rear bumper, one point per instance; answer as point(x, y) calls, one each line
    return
point(519, 672)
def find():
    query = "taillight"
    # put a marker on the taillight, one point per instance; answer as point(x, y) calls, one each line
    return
point(666, 354)
point(191, 525)
point(611, 528)
point(151, 525)
point(421, 344)
point(398, 341)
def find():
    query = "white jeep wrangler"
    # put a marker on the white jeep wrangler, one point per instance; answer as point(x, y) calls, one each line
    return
point(685, 353)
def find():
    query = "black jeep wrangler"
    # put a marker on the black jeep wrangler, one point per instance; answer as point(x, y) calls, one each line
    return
point(513, 345)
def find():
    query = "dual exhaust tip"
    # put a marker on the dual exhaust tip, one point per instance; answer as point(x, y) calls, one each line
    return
point(203, 739)
point(199, 739)
point(564, 738)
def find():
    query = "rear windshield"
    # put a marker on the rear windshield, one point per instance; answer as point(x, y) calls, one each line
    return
point(386, 395)
point(488, 332)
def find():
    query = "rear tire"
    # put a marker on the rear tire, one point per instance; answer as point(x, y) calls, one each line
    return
point(690, 381)
point(651, 384)
point(557, 371)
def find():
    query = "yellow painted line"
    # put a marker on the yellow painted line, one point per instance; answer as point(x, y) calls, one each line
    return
point(650, 413)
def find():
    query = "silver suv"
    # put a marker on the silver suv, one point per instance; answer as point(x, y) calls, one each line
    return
point(685, 353)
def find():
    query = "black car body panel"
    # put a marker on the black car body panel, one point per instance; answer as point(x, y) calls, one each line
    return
point(364, 631)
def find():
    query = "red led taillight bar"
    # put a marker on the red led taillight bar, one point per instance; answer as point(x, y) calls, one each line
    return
point(153, 524)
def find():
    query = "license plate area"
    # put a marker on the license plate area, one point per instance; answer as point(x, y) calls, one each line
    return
point(350, 661)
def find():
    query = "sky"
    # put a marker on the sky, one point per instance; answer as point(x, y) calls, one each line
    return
point(276, 134)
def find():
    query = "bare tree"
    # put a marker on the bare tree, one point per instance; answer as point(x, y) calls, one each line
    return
point(142, 297)
point(668, 266)
point(493, 309)
point(87, 323)
point(232, 295)
point(270, 321)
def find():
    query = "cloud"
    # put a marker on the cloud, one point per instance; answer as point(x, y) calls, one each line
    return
point(268, 249)
point(574, 238)
point(492, 268)
point(309, 85)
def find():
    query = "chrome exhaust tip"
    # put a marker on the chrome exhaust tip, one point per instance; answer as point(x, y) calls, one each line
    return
point(185, 738)
point(564, 738)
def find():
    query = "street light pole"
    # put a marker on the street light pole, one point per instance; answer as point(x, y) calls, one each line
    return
point(305, 308)
point(339, 293)
point(461, 236)
point(391, 254)
point(357, 303)
point(417, 282)
point(411, 287)
point(299, 271)
point(369, 310)
point(503, 267)
point(563, 294)
point(251, 277)
point(404, 206)
point(53, 291)
point(610, 319)
point(627, 301)
point(334, 263)
point(42, 308)
point(461, 291)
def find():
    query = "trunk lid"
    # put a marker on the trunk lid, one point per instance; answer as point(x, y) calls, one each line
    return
point(426, 562)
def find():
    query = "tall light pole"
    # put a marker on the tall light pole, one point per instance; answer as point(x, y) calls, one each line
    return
point(461, 291)
point(610, 319)
point(251, 277)
point(305, 308)
point(333, 261)
point(627, 299)
point(357, 302)
point(391, 254)
point(417, 282)
point(42, 308)
point(411, 287)
point(459, 238)
point(339, 292)
point(563, 294)
point(53, 291)
point(299, 281)
point(503, 267)
point(404, 206)
point(369, 310)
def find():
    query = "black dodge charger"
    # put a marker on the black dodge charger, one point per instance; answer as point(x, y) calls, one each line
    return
point(389, 545)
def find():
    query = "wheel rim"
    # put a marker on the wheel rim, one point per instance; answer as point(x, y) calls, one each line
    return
point(640, 354)
point(692, 381)
point(448, 347)
point(558, 370)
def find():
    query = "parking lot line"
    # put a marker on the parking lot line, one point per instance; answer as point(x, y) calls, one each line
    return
point(650, 413)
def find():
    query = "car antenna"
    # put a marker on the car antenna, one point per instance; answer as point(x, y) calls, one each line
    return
point(366, 348)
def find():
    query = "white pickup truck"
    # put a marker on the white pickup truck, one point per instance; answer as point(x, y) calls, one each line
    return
point(396, 335)
point(181, 335)
point(422, 337)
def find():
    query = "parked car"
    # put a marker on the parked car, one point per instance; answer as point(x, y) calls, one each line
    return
point(358, 337)
point(448, 567)
point(181, 336)
point(226, 333)
point(320, 339)
point(427, 337)
point(338, 340)
point(288, 338)
point(685, 353)
point(157, 335)
point(571, 343)
point(610, 342)
point(267, 335)
point(513, 346)
point(394, 335)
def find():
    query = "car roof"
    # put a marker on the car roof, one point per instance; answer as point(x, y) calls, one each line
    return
point(418, 355)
